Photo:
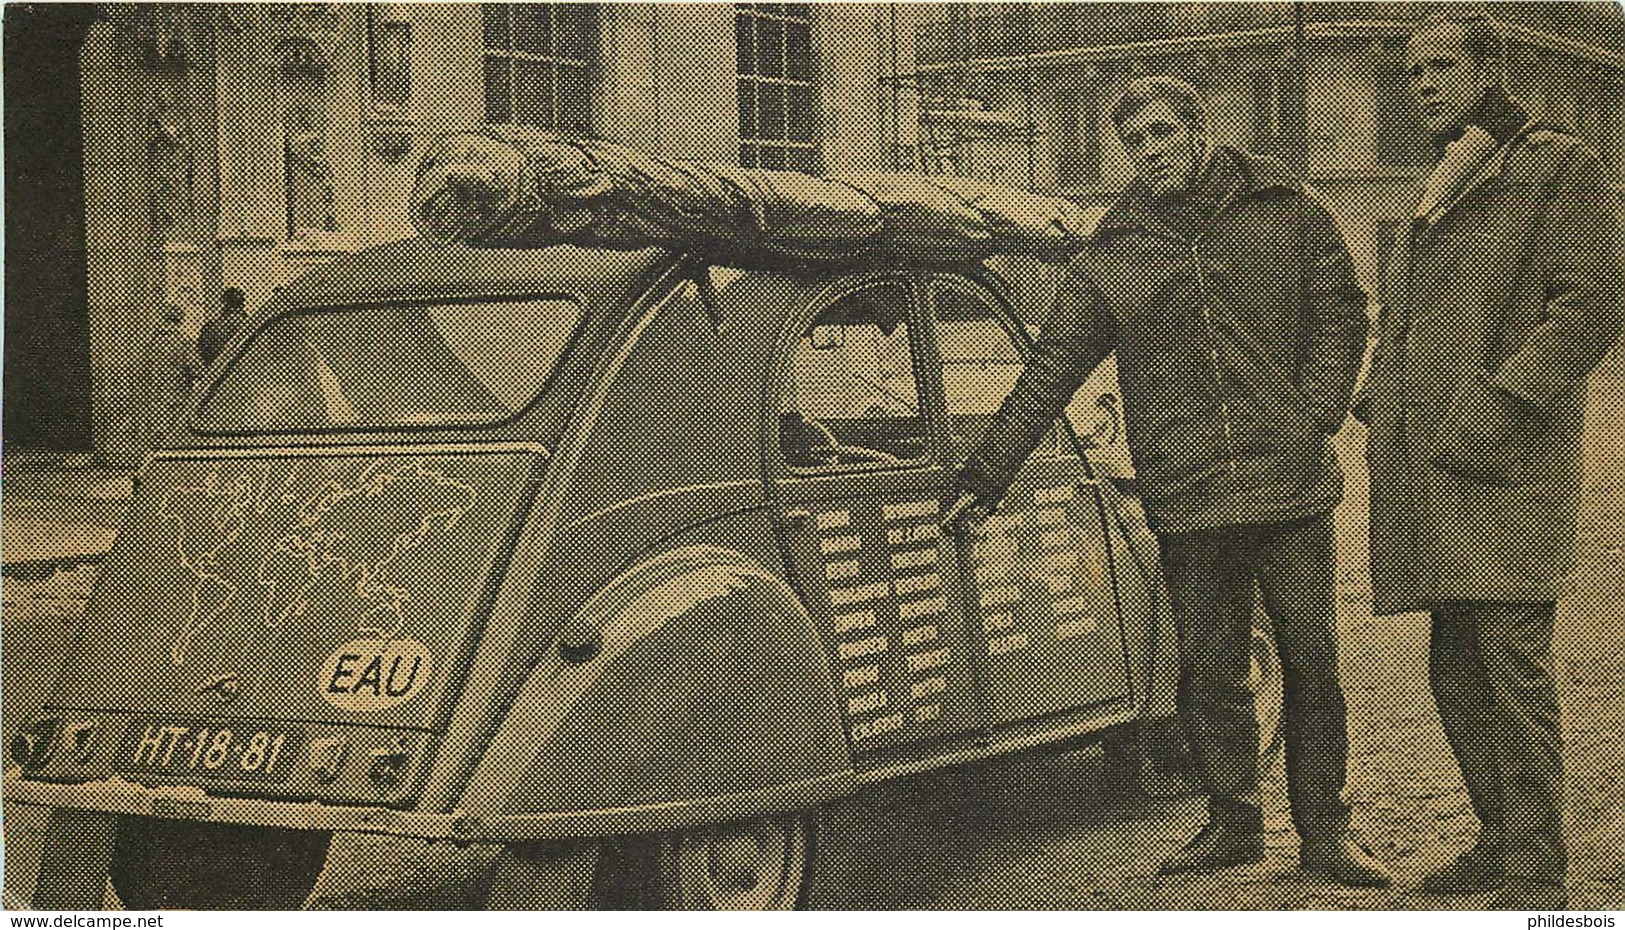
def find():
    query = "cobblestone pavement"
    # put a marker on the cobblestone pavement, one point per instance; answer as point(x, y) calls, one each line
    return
point(1050, 831)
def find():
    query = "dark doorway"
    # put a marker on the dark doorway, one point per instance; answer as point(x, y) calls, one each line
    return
point(47, 358)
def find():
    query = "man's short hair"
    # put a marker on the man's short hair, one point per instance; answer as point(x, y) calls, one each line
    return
point(1186, 101)
point(232, 298)
point(1481, 36)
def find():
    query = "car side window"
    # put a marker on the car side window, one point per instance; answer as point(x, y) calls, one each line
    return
point(1096, 414)
point(980, 365)
point(980, 362)
point(853, 398)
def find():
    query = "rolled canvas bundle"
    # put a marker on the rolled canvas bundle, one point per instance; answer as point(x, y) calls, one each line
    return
point(523, 188)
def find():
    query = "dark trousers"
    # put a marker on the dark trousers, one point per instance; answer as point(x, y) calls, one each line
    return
point(1211, 577)
point(1490, 669)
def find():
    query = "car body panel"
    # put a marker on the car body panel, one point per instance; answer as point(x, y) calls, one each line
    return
point(301, 597)
point(1047, 600)
point(703, 681)
point(884, 583)
point(659, 446)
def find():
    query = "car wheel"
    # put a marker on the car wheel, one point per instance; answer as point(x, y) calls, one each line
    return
point(762, 864)
point(1268, 687)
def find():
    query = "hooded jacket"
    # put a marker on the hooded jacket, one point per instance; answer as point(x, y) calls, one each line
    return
point(1497, 306)
point(1240, 328)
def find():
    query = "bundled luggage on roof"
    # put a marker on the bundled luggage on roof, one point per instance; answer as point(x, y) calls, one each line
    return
point(515, 187)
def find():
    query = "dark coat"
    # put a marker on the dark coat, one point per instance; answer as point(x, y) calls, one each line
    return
point(1493, 316)
point(1240, 328)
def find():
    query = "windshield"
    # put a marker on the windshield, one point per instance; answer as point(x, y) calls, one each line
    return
point(392, 366)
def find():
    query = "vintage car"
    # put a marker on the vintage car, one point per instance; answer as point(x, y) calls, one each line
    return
point(615, 564)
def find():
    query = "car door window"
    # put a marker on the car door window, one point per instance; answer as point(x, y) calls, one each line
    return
point(980, 363)
point(1096, 410)
point(854, 398)
point(1096, 415)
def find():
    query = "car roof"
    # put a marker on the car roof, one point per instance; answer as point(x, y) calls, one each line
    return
point(606, 281)
point(417, 269)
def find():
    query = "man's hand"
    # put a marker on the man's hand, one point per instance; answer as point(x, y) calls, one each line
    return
point(466, 187)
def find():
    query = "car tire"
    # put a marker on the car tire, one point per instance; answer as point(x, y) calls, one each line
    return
point(762, 864)
point(546, 878)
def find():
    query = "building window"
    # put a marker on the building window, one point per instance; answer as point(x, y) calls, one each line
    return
point(1266, 117)
point(1601, 101)
point(777, 108)
point(1075, 133)
point(540, 61)
point(389, 50)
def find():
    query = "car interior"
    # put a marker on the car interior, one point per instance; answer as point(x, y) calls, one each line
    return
point(854, 397)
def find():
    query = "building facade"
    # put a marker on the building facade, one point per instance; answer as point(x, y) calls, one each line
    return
point(241, 144)
point(1019, 93)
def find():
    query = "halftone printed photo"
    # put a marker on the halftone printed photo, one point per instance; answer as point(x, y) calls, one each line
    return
point(1139, 457)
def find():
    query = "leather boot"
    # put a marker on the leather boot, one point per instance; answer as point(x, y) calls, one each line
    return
point(1343, 861)
point(1218, 846)
point(1481, 868)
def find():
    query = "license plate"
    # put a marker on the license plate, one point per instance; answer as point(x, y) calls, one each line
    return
point(210, 750)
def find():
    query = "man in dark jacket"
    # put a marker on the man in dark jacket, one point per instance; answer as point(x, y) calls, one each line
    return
point(1502, 297)
point(1240, 328)
point(220, 330)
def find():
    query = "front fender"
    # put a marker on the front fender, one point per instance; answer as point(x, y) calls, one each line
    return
point(706, 698)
